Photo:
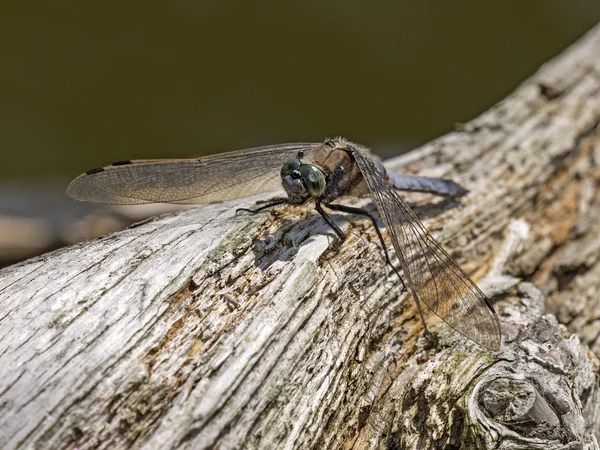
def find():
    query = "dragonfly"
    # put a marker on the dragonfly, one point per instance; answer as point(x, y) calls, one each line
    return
point(323, 173)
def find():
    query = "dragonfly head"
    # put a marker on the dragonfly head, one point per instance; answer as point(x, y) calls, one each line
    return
point(302, 181)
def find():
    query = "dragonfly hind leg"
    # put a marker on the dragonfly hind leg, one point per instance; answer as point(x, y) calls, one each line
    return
point(365, 213)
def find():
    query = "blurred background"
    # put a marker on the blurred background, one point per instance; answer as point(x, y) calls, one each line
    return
point(83, 84)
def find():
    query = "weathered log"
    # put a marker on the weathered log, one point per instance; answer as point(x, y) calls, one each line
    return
point(204, 330)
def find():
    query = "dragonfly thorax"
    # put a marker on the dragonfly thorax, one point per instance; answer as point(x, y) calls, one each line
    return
point(302, 181)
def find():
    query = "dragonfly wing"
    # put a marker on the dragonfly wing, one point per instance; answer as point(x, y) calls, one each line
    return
point(431, 274)
point(199, 180)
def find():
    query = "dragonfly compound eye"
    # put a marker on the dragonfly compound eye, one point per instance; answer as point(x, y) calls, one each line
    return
point(313, 178)
point(289, 167)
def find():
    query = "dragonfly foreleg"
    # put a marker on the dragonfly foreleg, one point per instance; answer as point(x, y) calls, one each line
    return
point(277, 202)
point(338, 231)
point(365, 213)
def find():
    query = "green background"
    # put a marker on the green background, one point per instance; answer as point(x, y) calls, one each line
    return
point(86, 83)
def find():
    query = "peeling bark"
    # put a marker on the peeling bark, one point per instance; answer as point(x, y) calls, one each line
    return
point(203, 330)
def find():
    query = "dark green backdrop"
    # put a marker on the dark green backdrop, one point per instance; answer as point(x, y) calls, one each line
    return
point(86, 83)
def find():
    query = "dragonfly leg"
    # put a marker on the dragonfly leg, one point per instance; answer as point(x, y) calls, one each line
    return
point(338, 231)
point(279, 201)
point(418, 302)
point(364, 212)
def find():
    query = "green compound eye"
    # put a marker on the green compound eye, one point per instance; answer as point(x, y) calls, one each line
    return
point(289, 167)
point(314, 179)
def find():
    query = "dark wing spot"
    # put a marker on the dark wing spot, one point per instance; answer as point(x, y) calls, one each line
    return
point(93, 171)
point(125, 162)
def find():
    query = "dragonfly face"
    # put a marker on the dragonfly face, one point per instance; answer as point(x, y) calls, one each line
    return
point(331, 173)
point(302, 181)
point(324, 172)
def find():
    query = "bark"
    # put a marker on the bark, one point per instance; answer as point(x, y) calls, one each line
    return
point(196, 330)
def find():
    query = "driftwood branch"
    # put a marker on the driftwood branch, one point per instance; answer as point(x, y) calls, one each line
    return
point(203, 330)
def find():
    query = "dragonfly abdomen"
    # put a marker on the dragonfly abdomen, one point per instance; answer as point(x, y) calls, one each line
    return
point(437, 186)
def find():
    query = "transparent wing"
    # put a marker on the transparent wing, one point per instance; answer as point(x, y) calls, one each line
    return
point(199, 180)
point(431, 274)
